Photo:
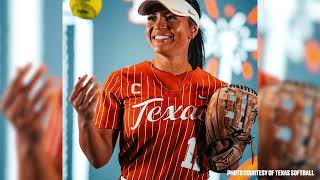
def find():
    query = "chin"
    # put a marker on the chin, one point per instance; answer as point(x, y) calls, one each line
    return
point(161, 50)
point(157, 49)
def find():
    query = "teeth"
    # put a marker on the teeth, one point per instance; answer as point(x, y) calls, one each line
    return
point(161, 37)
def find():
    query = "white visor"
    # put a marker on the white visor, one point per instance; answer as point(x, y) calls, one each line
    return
point(177, 7)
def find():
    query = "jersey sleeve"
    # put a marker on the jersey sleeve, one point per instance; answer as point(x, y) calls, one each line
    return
point(222, 83)
point(108, 109)
point(219, 83)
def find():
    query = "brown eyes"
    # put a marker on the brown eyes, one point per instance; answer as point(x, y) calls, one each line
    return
point(171, 17)
point(152, 17)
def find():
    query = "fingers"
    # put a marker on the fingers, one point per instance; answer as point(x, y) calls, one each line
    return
point(14, 88)
point(94, 100)
point(17, 86)
point(17, 105)
point(41, 93)
point(77, 88)
point(89, 96)
point(39, 73)
point(82, 93)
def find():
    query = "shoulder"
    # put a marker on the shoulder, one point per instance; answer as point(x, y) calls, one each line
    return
point(128, 73)
point(202, 75)
point(132, 69)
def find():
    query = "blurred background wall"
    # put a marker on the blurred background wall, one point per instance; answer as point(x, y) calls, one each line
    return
point(289, 35)
point(116, 39)
point(30, 31)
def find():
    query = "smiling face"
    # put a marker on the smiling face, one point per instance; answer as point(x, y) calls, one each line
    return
point(167, 33)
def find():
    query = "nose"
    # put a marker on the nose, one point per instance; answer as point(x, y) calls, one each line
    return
point(161, 23)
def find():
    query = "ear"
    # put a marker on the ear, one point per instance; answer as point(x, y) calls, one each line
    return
point(194, 30)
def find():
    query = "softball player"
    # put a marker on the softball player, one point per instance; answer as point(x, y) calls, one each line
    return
point(156, 107)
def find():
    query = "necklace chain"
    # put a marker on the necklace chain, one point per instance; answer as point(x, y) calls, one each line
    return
point(180, 88)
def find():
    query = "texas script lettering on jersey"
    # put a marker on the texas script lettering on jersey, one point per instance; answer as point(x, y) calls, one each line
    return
point(157, 110)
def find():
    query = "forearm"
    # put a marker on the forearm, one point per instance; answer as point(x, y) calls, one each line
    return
point(33, 163)
point(97, 149)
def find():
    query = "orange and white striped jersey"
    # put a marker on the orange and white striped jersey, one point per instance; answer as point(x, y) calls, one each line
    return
point(160, 117)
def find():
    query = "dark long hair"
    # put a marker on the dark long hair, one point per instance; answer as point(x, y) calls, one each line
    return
point(196, 47)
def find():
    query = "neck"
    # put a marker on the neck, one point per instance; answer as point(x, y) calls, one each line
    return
point(175, 65)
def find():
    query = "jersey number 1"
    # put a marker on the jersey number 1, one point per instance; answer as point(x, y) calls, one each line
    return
point(187, 160)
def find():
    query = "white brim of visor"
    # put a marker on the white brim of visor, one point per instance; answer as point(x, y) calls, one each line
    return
point(177, 7)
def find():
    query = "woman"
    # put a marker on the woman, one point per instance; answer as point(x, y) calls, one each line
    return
point(157, 106)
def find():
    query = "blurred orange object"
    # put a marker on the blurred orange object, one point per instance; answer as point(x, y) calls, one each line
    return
point(212, 8)
point(312, 53)
point(254, 55)
point(212, 67)
point(229, 10)
point(247, 71)
point(253, 16)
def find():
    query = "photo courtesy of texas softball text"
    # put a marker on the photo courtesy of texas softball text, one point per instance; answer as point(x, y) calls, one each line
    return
point(270, 173)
